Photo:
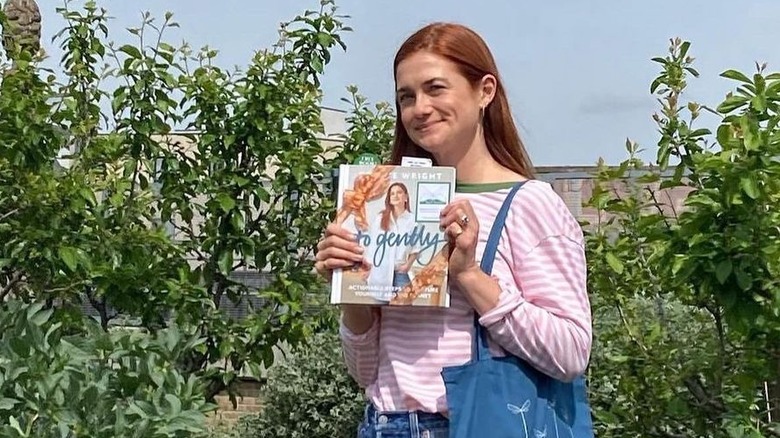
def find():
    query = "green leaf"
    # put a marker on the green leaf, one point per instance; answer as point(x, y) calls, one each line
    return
point(749, 186)
point(16, 426)
point(226, 262)
point(654, 86)
point(737, 76)
point(88, 196)
point(750, 133)
point(41, 317)
point(732, 103)
point(175, 403)
point(69, 255)
point(131, 51)
point(7, 404)
point(744, 281)
point(226, 202)
point(723, 270)
point(758, 103)
point(614, 263)
point(725, 135)
point(684, 49)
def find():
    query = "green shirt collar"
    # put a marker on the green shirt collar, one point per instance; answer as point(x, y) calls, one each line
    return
point(483, 187)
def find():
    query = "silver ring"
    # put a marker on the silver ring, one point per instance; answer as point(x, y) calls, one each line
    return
point(464, 219)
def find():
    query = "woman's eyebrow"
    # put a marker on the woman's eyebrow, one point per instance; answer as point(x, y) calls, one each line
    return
point(426, 83)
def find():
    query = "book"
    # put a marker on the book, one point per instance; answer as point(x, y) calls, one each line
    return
point(394, 212)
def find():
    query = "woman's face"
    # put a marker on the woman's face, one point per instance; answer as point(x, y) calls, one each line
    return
point(397, 196)
point(439, 107)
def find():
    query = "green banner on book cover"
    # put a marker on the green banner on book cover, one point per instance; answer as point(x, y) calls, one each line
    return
point(366, 160)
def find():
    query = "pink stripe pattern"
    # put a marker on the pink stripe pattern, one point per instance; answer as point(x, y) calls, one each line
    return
point(543, 315)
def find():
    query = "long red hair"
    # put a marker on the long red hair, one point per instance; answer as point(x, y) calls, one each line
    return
point(384, 223)
point(474, 60)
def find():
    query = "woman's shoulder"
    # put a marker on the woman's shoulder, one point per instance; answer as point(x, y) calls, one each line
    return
point(538, 194)
point(539, 210)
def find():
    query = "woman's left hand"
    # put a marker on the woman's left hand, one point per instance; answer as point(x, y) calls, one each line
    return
point(461, 228)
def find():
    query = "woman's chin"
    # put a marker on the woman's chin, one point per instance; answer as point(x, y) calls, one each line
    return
point(433, 147)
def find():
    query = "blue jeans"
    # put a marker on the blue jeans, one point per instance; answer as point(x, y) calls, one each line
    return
point(401, 279)
point(402, 425)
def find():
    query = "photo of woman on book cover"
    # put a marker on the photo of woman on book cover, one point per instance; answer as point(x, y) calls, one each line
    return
point(395, 219)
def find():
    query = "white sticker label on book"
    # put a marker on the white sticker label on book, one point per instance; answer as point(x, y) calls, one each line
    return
point(416, 162)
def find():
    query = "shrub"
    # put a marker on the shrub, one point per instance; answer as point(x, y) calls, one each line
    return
point(93, 383)
point(309, 394)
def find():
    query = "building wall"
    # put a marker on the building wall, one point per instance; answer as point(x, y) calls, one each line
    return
point(575, 185)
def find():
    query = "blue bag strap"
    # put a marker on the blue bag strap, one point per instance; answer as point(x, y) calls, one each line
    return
point(480, 348)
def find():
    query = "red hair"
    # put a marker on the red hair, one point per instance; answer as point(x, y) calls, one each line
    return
point(473, 59)
point(385, 222)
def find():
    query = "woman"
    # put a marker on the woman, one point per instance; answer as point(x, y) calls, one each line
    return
point(395, 218)
point(452, 108)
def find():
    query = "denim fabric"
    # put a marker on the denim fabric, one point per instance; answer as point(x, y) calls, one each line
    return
point(401, 279)
point(402, 425)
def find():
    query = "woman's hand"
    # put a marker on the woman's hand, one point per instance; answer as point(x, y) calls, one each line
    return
point(461, 228)
point(403, 268)
point(338, 249)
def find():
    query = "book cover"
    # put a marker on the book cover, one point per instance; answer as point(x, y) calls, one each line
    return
point(394, 212)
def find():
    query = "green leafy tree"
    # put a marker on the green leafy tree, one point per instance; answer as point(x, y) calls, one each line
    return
point(137, 180)
point(686, 302)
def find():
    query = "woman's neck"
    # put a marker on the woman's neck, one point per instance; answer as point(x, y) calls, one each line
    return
point(475, 165)
point(397, 210)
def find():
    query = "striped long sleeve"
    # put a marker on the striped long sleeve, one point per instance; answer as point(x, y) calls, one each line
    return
point(543, 314)
point(361, 353)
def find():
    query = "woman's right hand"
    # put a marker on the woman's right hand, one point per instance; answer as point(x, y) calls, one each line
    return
point(338, 249)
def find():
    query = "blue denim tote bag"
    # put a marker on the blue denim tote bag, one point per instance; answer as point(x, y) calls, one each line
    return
point(505, 397)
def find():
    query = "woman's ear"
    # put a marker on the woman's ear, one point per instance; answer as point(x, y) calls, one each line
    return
point(487, 88)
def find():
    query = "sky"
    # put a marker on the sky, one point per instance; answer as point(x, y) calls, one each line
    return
point(577, 72)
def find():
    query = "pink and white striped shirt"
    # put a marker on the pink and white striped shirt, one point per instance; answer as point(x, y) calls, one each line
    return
point(543, 315)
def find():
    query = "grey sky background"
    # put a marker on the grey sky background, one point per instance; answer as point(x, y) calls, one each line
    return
point(577, 72)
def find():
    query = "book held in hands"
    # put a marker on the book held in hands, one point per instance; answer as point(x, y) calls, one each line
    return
point(394, 213)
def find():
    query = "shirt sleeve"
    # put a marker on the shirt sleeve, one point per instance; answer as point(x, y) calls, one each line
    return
point(543, 314)
point(361, 353)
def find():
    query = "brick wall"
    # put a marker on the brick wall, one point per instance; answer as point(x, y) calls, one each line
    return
point(248, 402)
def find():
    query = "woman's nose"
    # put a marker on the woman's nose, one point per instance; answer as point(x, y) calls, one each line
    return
point(422, 106)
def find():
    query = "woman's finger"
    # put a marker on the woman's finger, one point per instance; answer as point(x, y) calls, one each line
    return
point(458, 203)
point(332, 264)
point(335, 241)
point(326, 267)
point(461, 217)
point(334, 229)
point(340, 254)
point(453, 231)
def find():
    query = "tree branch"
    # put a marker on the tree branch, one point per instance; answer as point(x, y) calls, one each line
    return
point(658, 207)
point(100, 306)
point(628, 328)
point(711, 405)
point(10, 213)
point(16, 278)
